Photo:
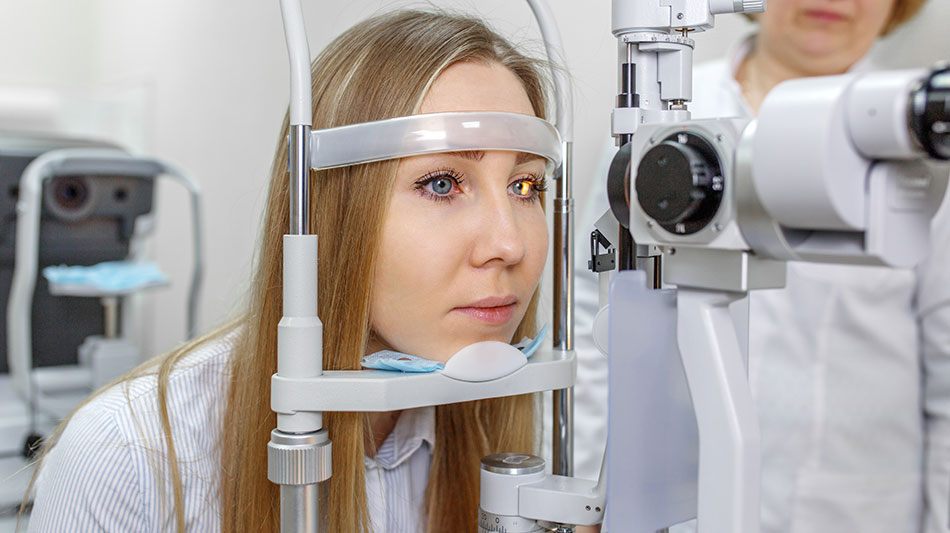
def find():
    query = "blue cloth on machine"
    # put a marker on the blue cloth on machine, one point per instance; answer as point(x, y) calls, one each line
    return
point(402, 362)
point(108, 276)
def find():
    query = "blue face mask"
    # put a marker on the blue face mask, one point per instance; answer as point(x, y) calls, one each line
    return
point(401, 362)
point(111, 276)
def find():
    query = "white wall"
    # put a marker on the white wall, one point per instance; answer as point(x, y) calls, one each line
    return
point(215, 73)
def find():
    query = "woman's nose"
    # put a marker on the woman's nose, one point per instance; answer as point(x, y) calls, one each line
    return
point(498, 237)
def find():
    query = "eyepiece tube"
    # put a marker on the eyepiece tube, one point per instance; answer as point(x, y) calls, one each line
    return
point(900, 115)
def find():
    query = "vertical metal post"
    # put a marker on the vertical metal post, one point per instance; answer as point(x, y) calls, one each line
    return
point(628, 97)
point(564, 313)
point(299, 454)
point(299, 160)
point(296, 513)
point(110, 306)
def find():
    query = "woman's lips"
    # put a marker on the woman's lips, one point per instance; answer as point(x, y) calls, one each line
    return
point(824, 15)
point(493, 310)
point(496, 315)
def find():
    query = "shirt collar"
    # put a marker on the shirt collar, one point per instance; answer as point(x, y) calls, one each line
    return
point(414, 428)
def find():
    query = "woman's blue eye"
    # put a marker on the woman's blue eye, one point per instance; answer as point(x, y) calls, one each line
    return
point(441, 186)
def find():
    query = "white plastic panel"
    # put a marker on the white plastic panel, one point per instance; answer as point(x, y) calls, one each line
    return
point(653, 442)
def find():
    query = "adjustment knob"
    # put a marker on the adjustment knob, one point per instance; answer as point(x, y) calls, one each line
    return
point(752, 6)
point(673, 179)
point(721, 7)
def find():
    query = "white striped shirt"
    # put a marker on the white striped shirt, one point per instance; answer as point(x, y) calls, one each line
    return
point(396, 478)
point(108, 472)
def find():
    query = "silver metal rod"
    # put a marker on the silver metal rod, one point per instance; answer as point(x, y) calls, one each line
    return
point(299, 508)
point(564, 258)
point(563, 424)
point(110, 306)
point(563, 432)
point(298, 149)
point(298, 463)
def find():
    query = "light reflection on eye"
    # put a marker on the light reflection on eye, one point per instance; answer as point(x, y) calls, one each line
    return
point(528, 189)
point(523, 188)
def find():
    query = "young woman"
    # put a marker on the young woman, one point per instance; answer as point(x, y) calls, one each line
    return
point(423, 255)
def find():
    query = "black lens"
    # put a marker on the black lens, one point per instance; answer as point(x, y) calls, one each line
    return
point(70, 193)
point(930, 112)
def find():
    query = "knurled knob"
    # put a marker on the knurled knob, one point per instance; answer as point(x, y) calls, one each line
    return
point(753, 6)
point(299, 459)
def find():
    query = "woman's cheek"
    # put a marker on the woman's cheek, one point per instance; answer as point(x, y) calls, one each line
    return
point(537, 242)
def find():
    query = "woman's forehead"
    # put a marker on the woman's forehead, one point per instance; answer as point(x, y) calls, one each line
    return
point(476, 86)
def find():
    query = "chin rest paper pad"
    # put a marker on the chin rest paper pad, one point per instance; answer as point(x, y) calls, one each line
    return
point(484, 361)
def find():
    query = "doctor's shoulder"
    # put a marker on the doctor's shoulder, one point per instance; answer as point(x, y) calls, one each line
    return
point(715, 91)
point(110, 467)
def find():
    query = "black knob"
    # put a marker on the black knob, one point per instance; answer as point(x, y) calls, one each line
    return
point(70, 192)
point(679, 183)
point(618, 185)
point(673, 179)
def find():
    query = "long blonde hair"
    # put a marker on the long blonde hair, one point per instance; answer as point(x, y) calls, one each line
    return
point(378, 69)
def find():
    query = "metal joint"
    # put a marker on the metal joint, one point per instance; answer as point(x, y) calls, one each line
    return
point(563, 205)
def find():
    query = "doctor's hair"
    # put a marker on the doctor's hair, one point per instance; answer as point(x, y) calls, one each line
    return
point(903, 11)
point(380, 68)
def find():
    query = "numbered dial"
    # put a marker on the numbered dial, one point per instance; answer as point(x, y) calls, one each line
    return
point(679, 183)
point(492, 523)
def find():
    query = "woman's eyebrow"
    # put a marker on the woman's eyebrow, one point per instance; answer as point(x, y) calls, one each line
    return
point(524, 157)
point(477, 155)
point(472, 155)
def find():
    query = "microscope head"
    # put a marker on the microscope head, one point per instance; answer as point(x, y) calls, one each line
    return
point(833, 170)
point(675, 15)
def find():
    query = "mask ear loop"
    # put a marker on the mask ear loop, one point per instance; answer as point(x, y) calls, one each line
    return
point(528, 345)
point(403, 362)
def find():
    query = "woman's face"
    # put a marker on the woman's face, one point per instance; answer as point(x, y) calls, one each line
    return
point(823, 36)
point(464, 238)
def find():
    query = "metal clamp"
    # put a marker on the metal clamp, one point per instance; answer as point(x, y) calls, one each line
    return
point(601, 262)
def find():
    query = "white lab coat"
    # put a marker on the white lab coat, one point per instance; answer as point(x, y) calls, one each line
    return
point(850, 369)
